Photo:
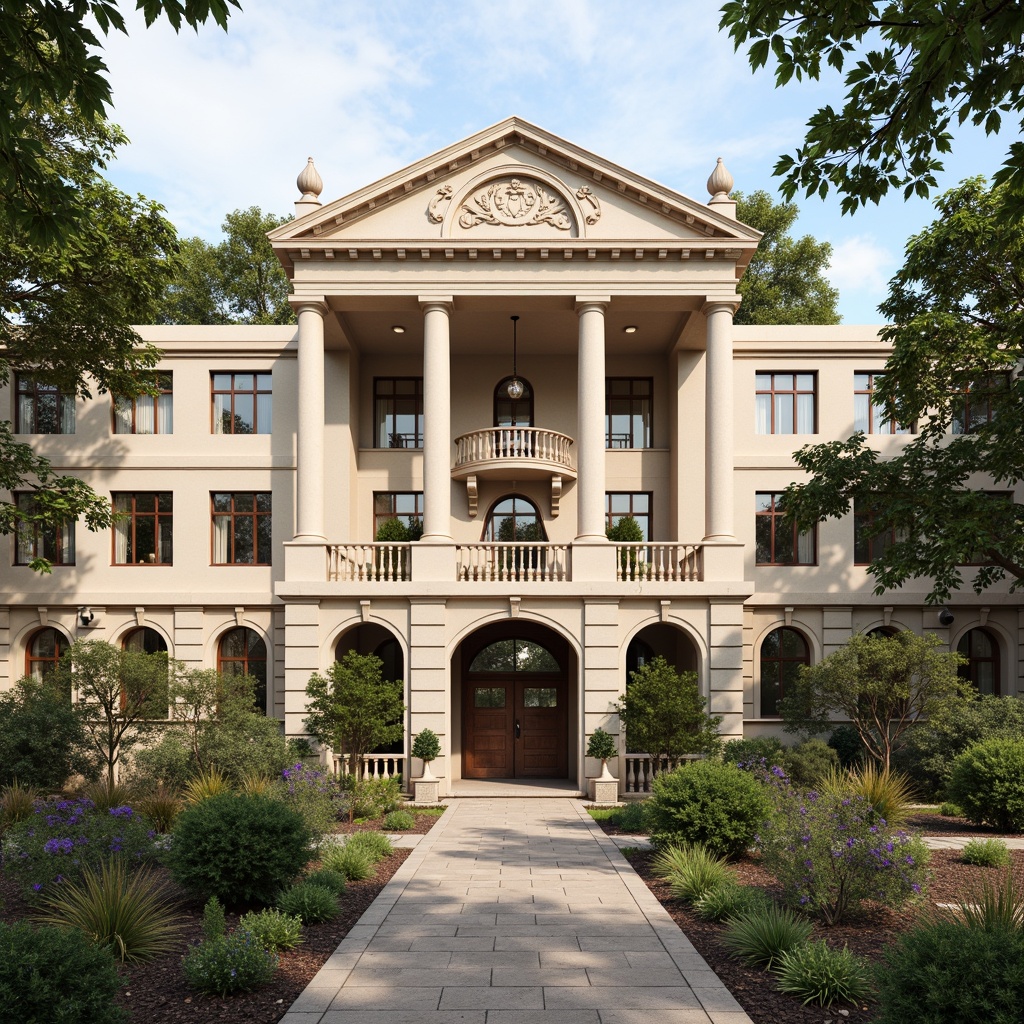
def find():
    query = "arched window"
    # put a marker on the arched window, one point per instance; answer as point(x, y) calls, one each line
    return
point(45, 649)
point(145, 641)
point(514, 656)
point(242, 652)
point(638, 654)
point(883, 631)
point(514, 518)
point(783, 651)
point(513, 412)
point(981, 649)
point(367, 640)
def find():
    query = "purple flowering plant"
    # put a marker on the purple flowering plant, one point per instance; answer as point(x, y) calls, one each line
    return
point(63, 837)
point(313, 793)
point(832, 853)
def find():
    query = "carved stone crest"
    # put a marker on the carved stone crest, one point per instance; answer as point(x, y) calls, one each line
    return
point(442, 195)
point(515, 202)
point(584, 195)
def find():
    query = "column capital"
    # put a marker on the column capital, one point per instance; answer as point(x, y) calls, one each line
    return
point(586, 303)
point(429, 302)
point(717, 305)
point(302, 305)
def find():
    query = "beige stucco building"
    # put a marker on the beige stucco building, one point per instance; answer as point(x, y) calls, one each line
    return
point(254, 488)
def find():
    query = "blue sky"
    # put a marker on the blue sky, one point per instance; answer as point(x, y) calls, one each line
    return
point(221, 121)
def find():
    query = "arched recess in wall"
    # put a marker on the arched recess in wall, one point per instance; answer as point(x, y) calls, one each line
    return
point(372, 638)
point(664, 640)
point(514, 518)
point(43, 650)
point(146, 640)
point(983, 670)
point(241, 651)
point(513, 412)
point(781, 654)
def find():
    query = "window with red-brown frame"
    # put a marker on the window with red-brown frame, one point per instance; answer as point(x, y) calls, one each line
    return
point(783, 652)
point(785, 403)
point(629, 412)
point(983, 669)
point(242, 652)
point(242, 403)
point(868, 416)
point(974, 402)
point(242, 528)
point(143, 530)
point(776, 542)
point(42, 408)
point(147, 414)
point(34, 540)
point(44, 650)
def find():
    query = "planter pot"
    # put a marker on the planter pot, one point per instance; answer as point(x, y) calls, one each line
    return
point(426, 791)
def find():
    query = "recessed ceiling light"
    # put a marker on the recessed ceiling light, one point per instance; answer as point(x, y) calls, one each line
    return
point(631, 329)
point(398, 329)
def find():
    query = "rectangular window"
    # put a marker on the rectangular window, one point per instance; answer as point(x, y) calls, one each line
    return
point(405, 506)
point(241, 528)
point(868, 542)
point(868, 416)
point(619, 504)
point(143, 531)
point(146, 414)
point(785, 403)
point(242, 403)
point(776, 543)
point(973, 404)
point(628, 412)
point(34, 540)
point(398, 412)
point(43, 408)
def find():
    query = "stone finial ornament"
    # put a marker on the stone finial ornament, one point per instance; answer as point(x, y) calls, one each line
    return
point(720, 183)
point(311, 184)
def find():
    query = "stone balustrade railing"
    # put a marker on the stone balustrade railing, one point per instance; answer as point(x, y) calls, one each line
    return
point(670, 563)
point(495, 443)
point(374, 766)
point(377, 562)
point(518, 563)
point(641, 769)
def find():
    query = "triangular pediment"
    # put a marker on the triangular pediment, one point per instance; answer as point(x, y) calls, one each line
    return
point(514, 185)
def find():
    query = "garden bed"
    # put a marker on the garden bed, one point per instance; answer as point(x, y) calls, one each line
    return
point(156, 993)
point(865, 933)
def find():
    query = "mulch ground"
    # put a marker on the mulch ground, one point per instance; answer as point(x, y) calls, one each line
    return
point(156, 993)
point(865, 934)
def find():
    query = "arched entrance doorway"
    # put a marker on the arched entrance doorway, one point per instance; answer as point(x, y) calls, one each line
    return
point(515, 703)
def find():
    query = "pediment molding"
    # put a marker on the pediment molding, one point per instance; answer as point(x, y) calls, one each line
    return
point(582, 168)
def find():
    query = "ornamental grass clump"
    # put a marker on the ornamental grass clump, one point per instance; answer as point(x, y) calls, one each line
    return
point(17, 802)
point(731, 900)
point(63, 838)
point(815, 972)
point(994, 907)
point(161, 806)
point(311, 792)
point(692, 871)
point(831, 853)
point(761, 937)
point(399, 821)
point(333, 880)
point(351, 861)
point(376, 845)
point(273, 929)
point(128, 912)
point(310, 903)
point(986, 853)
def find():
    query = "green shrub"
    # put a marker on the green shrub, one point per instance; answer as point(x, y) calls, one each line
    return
point(632, 817)
point(273, 929)
point(215, 924)
point(333, 880)
point(373, 798)
point(951, 810)
point(376, 845)
point(352, 862)
point(56, 974)
point(943, 972)
point(130, 914)
point(426, 746)
point(399, 821)
point(761, 938)
point(168, 763)
point(849, 747)
point(692, 871)
point(42, 741)
point(311, 904)
point(601, 745)
point(817, 973)
point(751, 752)
point(241, 849)
point(716, 805)
point(229, 964)
point(246, 743)
point(311, 792)
point(986, 853)
point(809, 762)
point(987, 781)
point(731, 900)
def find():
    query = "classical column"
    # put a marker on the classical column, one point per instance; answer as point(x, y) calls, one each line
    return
point(718, 432)
point(437, 421)
point(309, 463)
point(590, 433)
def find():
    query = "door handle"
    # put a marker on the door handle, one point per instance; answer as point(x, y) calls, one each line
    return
point(518, 729)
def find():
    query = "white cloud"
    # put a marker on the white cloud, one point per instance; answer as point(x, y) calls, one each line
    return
point(860, 268)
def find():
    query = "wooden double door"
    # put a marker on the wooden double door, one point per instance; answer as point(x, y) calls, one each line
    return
point(515, 728)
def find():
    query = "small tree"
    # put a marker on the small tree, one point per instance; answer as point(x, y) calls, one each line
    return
point(882, 684)
point(626, 531)
point(119, 695)
point(663, 714)
point(353, 709)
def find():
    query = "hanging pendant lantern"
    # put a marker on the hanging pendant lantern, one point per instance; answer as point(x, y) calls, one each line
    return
point(515, 387)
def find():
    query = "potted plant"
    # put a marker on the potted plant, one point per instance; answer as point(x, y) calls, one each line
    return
point(602, 745)
point(426, 747)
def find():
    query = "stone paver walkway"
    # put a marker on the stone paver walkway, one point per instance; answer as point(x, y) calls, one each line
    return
point(516, 911)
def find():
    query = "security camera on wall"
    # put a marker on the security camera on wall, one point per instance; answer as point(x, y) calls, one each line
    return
point(946, 617)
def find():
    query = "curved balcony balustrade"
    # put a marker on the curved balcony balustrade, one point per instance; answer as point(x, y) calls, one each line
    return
point(513, 453)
